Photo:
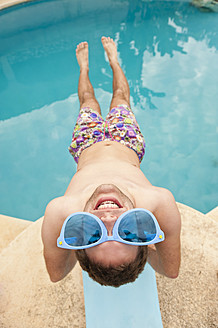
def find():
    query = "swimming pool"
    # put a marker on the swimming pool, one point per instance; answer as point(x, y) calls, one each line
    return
point(168, 51)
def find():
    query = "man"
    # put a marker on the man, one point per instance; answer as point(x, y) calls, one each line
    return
point(108, 183)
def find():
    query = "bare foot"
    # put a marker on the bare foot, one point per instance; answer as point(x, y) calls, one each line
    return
point(110, 48)
point(82, 55)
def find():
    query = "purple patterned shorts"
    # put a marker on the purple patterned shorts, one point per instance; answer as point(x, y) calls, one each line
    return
point(120, 125)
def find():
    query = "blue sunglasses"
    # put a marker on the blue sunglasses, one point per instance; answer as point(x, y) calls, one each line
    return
point(137, 227)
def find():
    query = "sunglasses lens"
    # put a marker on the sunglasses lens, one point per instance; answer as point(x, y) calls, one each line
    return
point(82, 230)
point(137, 227)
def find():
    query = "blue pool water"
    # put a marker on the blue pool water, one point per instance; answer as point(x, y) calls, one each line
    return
point(169, 53)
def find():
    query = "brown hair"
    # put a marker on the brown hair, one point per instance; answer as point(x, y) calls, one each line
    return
point(110, 275)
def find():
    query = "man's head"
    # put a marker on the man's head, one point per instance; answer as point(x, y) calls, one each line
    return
point(111, 263)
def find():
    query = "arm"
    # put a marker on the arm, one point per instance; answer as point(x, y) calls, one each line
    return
point(165, 256)
point(59, 262)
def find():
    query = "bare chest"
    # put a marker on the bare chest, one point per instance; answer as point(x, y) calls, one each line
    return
point(128, 178)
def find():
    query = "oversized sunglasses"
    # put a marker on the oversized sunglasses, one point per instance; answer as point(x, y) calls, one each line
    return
point(134, 227)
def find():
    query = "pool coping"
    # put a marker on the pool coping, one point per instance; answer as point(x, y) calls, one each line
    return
point(199, 265)
point(9, 3)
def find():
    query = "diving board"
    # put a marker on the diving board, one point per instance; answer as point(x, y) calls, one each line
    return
point(129, 306)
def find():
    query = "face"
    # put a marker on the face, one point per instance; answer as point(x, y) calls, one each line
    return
point(108, 203)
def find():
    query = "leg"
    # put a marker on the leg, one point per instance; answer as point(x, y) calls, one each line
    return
point(85, 90)
point(121, 93)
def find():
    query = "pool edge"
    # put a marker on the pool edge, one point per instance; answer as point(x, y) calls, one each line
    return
point(9, 3)
point(198, 263)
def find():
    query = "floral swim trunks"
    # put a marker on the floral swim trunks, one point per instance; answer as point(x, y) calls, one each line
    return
point(120, 125)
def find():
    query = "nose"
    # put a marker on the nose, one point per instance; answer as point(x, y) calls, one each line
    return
point(109, 221)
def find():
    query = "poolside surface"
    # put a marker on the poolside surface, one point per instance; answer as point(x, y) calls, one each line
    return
point(188, 301)
point(9, 3)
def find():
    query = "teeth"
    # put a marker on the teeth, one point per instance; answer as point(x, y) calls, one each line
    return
point(108, 204)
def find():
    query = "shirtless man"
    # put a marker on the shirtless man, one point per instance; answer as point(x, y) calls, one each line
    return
point(109, 182)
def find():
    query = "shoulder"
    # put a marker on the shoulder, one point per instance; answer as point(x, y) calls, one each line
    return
point(55, 206)
point(169, 219)
point(167, 211)
point(63, 206)
point(154, 198)
point(58, 210)
point(165, 198)
point(55, 211)
point(53, 217)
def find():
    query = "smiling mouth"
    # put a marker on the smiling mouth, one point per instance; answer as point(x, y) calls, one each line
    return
point(103, 204)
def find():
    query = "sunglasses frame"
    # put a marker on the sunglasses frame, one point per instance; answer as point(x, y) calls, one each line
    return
point(115, 236)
